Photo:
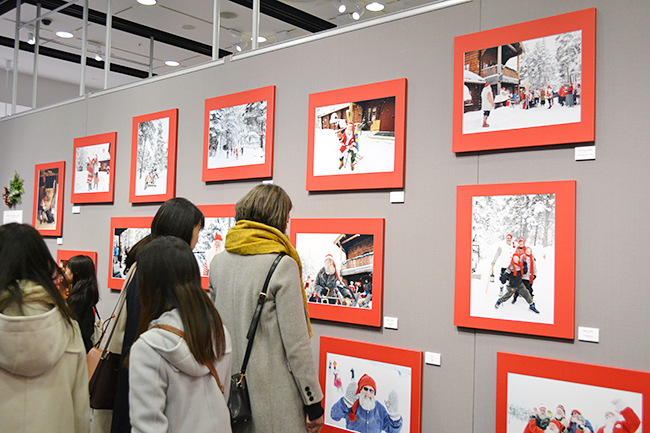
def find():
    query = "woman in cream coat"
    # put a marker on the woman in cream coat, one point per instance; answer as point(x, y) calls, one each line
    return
point(43, 373)
point(281, 376)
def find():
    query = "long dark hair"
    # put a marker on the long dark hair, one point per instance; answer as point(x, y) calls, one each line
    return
point(168, 277)
point(177, 217)
point(24, 256)
point(84, 288)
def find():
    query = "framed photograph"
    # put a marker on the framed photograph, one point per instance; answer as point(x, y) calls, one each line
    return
point(153, 157)
point(356, 137)
point(93, 176)
point(388, 381)
point(49, 182)
point(62, 257)
point(536, 390)
point(342, 268)
point(238, 138)
point(212, 238)
point(125, 233)
point(528, 84)
point(515, 258)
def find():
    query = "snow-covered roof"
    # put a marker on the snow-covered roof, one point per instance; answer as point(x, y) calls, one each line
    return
point(471, 77)
point(328, 109)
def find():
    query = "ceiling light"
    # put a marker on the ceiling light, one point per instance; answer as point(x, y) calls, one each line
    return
point(355, 15)
point(31, 40)
point(238, 48)
point(147, 2)
point(260, 39)
point(173, 63)
point(375, 7)
point(64, 35)
point(98, 58)
point(341, 7)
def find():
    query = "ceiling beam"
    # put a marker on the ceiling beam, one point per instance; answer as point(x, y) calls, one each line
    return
point(289, 14)
point(74, 58)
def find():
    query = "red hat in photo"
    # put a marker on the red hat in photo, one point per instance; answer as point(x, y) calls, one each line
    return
point(557, 424)
point(364, 381)
point(487, 85)
point(217, 237)
point(575, 411)
point(329, 256)
point(519, 265)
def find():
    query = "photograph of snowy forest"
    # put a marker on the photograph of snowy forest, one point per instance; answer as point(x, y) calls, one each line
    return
point(524, 84)
point(152, 157)
point(541, 394)
point(123, 240)
point(237, 135)
point(337, 268)
point(504, 226)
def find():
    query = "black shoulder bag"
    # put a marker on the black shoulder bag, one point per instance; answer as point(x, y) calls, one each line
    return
point(239, 403)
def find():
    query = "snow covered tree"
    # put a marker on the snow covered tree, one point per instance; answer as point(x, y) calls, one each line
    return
point(537, 64)
point(569, 56)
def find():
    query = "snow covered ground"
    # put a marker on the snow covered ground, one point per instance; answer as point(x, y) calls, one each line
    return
point(250, 156)
point(81, 182)
point(482, 302)
point(505, 118)
point(160, 187)
point(378, 154)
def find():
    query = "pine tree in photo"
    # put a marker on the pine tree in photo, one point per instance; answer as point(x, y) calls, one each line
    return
point(569, 56)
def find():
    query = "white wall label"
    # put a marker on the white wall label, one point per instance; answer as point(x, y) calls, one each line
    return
point(432, 358)
point(12, 216)
point(588, 334)
point(397, 196)
point(584, 153)
point(76, 209)
point(59, 241)
point(390, 322)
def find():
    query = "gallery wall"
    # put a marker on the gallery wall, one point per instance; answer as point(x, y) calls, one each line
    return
point(612, 198)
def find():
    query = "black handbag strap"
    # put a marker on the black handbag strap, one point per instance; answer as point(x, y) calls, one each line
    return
point(258, 311)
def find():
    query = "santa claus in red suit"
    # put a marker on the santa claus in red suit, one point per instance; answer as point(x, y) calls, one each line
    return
point(348, 144)
point(613, 423)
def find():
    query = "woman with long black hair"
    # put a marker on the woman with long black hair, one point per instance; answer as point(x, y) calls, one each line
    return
point(43, 373)
point(84, 294)
point(181, 346)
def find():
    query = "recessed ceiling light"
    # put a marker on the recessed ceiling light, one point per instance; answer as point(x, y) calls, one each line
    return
point(188, 27)
point(172, 63)
point(147, 2)
point(375, 7)
point(238, 48)
point(356, 15)
point(228, 15)
point(260, 39)
point(342, 8)
point(64, 35)
point(98, 57)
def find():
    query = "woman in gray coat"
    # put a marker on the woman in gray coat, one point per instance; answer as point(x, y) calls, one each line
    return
point(283, 385)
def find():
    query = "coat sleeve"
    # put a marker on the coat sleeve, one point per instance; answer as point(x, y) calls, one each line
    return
point(80, 397)
point(339, 410)
point(147, 390)
point(292, 321)
point(632, 421)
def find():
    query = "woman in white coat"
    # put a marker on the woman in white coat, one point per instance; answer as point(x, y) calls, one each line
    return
point(183, 352)
point(43, 373)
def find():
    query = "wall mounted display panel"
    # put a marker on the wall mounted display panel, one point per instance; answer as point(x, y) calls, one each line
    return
point(49, 186)
point(93, 173)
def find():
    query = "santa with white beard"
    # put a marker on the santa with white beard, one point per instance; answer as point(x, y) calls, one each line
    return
point(613, 423)
point(363, 413)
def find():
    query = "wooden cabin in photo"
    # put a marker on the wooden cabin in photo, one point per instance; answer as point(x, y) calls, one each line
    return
point(374, 115)
point(359, 250)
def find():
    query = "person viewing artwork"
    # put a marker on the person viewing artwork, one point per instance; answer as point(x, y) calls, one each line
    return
point(285, 394)
point(83, 295)
point(172, 388)
point(43, 373)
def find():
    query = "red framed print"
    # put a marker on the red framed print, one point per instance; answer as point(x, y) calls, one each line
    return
point(528, 84)
point(356, 137)
point(125, 233)
point(387, 381)
point(515, 258)
point(342, 268)
point(535, 391)
point(49, 182)
point(93, 175)
point(238, 135)
point(219, 218)
point(153, 157)
point(62, 256)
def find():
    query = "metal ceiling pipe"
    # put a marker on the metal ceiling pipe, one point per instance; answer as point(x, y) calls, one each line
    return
point(14, 92)
point(37, 43)
point(109, 25)
point(216, 26)
point(84, 50)
point(151, 41)
point(256, 23)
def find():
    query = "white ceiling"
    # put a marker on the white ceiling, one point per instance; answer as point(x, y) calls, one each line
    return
point(191, 19)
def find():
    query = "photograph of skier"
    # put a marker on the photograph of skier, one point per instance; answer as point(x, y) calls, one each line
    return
point(373, 392)
point(356, 137)
point(238, 135)
point(527, 84)
point(153, 163)
point(549, 395)
point(515, 258)
point(342, 267)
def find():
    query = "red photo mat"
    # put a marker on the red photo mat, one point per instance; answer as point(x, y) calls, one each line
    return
point(357, 181)
point(94, 197)
point(375, 352)
point(37, 216)
point(583, 131)
point(565, 224)
point(339, 313)
point(567, 371)
point(216, 211)
point(253, 171)
point(122, 223)
point(171, 158)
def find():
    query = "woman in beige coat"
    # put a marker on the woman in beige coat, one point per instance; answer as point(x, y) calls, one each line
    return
point(283, 385)
point(43, 373)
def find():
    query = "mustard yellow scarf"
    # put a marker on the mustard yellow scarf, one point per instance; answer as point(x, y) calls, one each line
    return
point(250, 237)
